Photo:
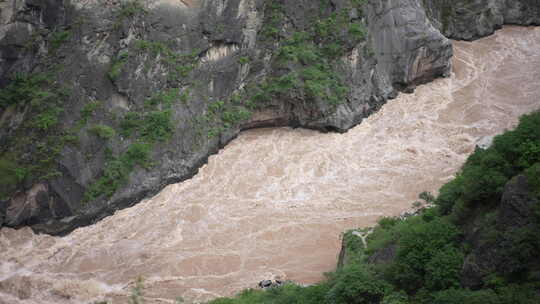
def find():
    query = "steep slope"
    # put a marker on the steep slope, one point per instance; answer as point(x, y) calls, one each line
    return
point(107, 102)
point(472, 19)
point(221, 231)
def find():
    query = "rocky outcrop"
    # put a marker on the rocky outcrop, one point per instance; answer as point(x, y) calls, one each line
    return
point(472, 19)
point(121, 98)
point(502, 240)
point(390, 24)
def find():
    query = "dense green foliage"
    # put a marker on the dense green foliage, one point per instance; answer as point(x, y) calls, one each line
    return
point(308, 57)
point(32, 146)
point(22, 90)
point(486, 172)
point(102, 131)
point(429, 248)
point(146, 128)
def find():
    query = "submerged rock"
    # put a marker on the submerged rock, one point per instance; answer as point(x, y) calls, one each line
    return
point(264, 284)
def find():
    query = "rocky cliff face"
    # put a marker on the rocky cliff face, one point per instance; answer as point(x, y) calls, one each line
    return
point(106, 102)
point(472, 19)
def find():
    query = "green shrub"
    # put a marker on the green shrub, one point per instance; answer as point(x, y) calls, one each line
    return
point(157, 126)
point(234, 116)
point(518, 294)
point(114, 175)
point(130, 8)
point(356, 285)
point(449, 194)
point(22, 89)
point(130, 124)
point(116, 66)
point(519, 147)
point(443, 270)
point(165, 97)
point(357, 30)
point(11, 174)
point(137, 154)
point(89, 109)
point(462, 296)
point(102, 131)
point(533, 178)
point(243, 60)
point(484, 175)
point(48, 118)
point(117, 170)
point(274, 14)
point(396, 298)
point(58, 38)
point(419, 245)
point(285, 294)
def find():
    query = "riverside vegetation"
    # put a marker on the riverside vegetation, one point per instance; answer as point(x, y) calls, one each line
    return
point(477, 242)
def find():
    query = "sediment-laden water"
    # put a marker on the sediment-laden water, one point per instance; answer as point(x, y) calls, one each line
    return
point(275, 201)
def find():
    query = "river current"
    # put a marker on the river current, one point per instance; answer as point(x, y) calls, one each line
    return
point(274, 202)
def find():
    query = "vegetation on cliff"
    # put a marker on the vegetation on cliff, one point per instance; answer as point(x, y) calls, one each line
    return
point(477, 242)
point(44, 107)
point(29, 155)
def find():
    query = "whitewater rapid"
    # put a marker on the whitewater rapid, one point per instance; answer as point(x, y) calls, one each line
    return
point(274, 201)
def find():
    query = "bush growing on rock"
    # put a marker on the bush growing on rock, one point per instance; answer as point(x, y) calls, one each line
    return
point(102, 131)
point(356, 284)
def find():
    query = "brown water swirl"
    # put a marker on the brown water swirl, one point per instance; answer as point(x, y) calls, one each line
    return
point(275, 201)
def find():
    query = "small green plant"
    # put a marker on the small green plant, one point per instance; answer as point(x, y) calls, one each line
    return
point(23, 89)
point(130, 124)
point(48, 119)
point(355, 284)
point(166, 98)
point(146, 128)
point(131, 8)
point(10, 174)
point(179, 65)
point(157, 126)
point(58, 38)
point(243, 60)
point(117, 170)
point(102, 131)
point(117, 65)
point(88, 110)
point(273, 23)
point(136, 293)
point(357, 30)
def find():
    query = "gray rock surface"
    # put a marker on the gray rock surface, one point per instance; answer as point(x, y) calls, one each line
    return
point(472, 19)
point(111, 59)
point(398, 29)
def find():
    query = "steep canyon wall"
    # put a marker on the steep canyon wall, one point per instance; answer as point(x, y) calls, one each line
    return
point(106, 102)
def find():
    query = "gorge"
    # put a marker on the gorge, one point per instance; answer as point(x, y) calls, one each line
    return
point(273, 202)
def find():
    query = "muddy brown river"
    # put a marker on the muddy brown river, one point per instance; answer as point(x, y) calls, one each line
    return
point(274, 201)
